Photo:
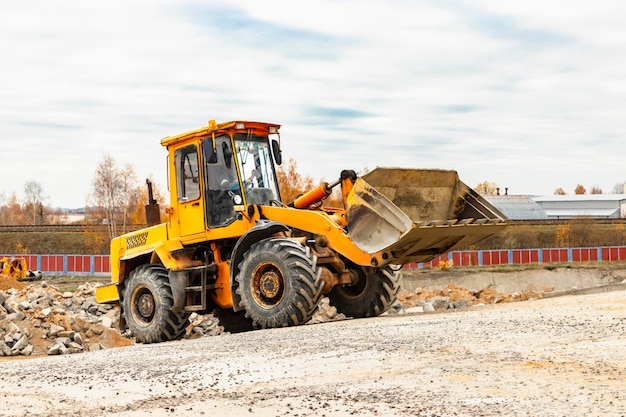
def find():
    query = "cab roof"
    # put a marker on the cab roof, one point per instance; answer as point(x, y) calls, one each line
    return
point(257, 128)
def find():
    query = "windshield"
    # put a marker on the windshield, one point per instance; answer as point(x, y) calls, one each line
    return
point(255, 164)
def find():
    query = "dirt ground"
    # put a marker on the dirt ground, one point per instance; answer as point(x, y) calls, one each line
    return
point(7, 282)
point(562, 356)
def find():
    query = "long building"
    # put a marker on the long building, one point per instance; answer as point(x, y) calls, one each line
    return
point(598, 206)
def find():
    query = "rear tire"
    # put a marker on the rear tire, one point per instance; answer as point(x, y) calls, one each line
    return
point(233, 321)
point(278, 283)
point(147, 306)
point(370, 296)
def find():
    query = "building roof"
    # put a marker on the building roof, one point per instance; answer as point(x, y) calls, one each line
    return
point(582, 205)
point(517, 207)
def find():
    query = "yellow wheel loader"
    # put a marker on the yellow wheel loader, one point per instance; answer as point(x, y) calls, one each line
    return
point(231, 247)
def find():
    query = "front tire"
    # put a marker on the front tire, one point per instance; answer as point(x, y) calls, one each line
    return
point(147, 306)
point(370, 295)
point(278, 283)
point(233, 321)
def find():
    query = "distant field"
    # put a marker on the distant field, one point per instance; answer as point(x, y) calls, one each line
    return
point(520, 235)
point(44, 242)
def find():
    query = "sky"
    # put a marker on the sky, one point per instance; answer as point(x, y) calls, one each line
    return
point(528, 95)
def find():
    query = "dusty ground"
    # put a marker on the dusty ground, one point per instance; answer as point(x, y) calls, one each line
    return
point(563, 356)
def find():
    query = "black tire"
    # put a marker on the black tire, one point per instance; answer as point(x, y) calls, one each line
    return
point(233, 321)
point(147, 306)
point(278, 283)
point(371, 295)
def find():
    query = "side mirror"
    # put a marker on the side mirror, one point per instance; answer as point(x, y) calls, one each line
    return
point(278, 156)
point(210, 152)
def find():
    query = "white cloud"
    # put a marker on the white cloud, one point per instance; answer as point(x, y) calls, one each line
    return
point(526, 94)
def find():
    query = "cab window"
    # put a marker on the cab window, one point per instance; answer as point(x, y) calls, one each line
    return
point(188, 183)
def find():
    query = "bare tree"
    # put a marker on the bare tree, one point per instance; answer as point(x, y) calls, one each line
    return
point(596, 189)
point(619, 188)
point(112, 192)
point(559, 191)
point(33, 202)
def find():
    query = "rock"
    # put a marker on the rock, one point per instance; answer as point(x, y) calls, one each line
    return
point(463, 303)
point(74, 347)
point(55, 330)
point(66, 333)
point(65, 341)
point(27, 351)
point(19, 316)
point(4, 349)
point(20, 344)
point(440, 303)
point(106, 322)
point(24, 305)
point(416, 309)
point(58, 349)
point(46, 311)
point(95, 347)
point(428, 307)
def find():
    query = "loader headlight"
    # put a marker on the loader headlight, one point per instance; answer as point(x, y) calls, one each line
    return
point(273, 129)
point(240, 125)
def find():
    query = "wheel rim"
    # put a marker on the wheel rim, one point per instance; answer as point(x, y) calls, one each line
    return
point(143, 306)
point(268, 285)
point(355, 290)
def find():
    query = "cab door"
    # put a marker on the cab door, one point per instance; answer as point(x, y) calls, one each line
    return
point(188, 186)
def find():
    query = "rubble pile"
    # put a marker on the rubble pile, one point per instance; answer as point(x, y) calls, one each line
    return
point(40, 320)
point(455, 297)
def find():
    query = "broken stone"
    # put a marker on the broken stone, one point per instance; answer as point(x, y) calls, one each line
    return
point(27, 351)
point(106, 322)
point(440, 303)
point(4, 349)
point(55, 330)
point(20, 344)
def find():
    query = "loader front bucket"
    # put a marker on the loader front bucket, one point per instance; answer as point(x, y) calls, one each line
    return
point(414, 215)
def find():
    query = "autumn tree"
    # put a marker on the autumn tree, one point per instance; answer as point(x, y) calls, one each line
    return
point(113, 191)
point(290, 182)
point(11, 212)
point(559, 191)
point(580, 189)
point(487, 188)
point(136, 207)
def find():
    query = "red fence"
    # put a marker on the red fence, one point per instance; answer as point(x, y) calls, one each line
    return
point(527, 256)
point(100, 264)
point(67, 264)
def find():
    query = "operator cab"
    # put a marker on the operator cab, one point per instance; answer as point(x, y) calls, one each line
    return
point(245, 176)
point(221, 170)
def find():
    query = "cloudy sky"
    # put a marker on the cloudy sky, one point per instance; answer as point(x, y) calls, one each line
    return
point(530, 95)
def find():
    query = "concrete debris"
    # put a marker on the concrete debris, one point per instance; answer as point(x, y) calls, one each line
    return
point(41, 320)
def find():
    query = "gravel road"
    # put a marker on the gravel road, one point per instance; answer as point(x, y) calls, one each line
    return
point(563, 356)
